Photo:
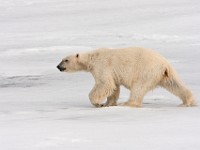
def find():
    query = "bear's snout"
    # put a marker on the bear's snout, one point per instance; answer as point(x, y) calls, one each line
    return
point(61, 68)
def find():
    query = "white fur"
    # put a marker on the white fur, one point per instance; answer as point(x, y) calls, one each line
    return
point(138, 69)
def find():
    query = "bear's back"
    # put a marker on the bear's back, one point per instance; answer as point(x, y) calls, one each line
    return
point(129, 55)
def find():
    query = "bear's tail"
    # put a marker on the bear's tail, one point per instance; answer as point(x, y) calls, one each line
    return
point(175, 85)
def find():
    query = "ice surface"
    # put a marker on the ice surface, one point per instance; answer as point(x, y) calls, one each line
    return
point(43, 109)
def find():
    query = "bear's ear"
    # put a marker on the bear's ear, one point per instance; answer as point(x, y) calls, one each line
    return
point(77, 55)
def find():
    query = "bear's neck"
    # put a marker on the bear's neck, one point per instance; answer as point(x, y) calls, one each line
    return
point(86, 63)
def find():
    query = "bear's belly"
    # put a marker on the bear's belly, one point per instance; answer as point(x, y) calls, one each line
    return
point(124, 82)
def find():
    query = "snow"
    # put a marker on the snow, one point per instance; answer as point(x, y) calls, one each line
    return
point(43, 109)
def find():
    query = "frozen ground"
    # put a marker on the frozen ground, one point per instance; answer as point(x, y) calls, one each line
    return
point(43, 109)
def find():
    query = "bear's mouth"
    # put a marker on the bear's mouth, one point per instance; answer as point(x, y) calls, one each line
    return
point(61, 68)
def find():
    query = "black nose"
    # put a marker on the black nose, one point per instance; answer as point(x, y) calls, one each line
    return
point(60, 68)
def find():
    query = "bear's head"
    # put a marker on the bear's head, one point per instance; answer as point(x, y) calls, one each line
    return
point(71, 63)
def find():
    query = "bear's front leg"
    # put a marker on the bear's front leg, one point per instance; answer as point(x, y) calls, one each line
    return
point(112, 100)
point(99, 93)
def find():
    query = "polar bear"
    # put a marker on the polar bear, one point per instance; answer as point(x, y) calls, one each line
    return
point(138, 69)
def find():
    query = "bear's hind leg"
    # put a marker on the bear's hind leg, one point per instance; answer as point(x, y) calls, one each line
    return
point(138, 91)
point(177, 88)
point(136, 97)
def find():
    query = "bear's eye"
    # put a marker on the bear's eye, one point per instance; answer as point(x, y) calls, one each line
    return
point(66, 60)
